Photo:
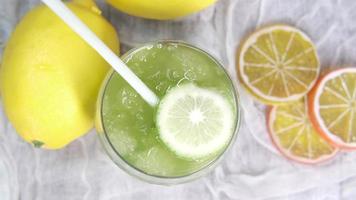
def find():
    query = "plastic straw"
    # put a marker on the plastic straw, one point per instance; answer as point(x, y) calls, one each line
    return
point(62, 11)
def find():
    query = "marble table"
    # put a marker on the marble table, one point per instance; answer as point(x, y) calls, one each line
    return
point(251, 170)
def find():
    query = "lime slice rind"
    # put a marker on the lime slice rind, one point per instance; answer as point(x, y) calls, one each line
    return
point(194, 122)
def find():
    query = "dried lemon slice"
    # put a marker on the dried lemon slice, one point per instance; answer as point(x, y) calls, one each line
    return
point(278, 64)
point(294, 135)
point(333, 107)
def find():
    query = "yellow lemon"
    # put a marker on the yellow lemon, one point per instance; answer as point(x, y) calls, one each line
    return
point(160, 9)
point(50, 77)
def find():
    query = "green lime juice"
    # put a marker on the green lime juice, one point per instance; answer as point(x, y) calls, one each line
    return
point(128, 123)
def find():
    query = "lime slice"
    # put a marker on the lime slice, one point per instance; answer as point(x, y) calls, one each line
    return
point(195, 122)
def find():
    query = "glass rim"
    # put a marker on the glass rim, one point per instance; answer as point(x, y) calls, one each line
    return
point(158, 179)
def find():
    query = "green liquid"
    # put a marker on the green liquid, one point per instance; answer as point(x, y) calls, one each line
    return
point(129, 121)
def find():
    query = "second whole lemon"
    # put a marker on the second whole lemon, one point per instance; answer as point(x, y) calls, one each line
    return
point(160, 9)
point(50, 77)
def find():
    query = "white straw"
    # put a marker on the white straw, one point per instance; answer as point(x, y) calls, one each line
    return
point(58, 7)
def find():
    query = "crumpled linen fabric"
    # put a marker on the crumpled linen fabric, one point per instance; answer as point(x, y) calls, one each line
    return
point(252, 169)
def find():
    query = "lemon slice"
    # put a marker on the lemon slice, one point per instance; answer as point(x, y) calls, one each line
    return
point(333, 107)
point(294, 135)
point(278, 64)
point(195, 122)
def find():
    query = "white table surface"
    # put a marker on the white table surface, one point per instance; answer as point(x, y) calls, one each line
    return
point(83, 171)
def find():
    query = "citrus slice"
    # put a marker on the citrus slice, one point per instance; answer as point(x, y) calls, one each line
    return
point(195, 122)
point(278, 64)
point(294, 135)
point(333, 107)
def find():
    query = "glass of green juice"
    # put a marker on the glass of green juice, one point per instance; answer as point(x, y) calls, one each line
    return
point(194, 124)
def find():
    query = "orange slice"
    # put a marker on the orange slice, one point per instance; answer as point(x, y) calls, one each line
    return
point(294, 136)
point(278, 64)
point(333, 107)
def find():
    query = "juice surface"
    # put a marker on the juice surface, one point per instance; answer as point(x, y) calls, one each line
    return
point(129, 122)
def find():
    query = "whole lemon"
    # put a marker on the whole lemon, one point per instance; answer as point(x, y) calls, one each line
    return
point(50, 78)
point(160, 9)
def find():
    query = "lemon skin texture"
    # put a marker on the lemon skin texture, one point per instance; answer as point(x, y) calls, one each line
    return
point(160, 9)
point(50, 78)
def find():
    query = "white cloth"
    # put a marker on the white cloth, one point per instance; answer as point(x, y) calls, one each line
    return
point(251, 170)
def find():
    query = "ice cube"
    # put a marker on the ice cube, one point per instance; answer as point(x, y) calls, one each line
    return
point(123, 141)
point(156, 160)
